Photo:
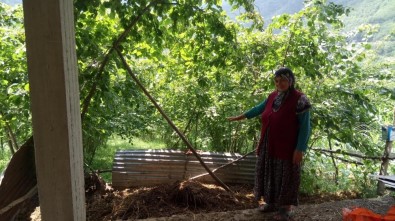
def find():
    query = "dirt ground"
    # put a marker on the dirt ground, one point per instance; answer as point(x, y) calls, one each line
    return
point(192, 200)
point(329, 211)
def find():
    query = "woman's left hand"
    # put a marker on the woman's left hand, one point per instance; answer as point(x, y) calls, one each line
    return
point(298, 156)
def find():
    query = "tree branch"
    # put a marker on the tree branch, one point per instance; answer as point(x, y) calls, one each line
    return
point(117, 42)
point(19, 200)
point(334, 162)
point(223, 166)
point(288, 45)
point(352, 154)
point(342, 159)
point(185, 130)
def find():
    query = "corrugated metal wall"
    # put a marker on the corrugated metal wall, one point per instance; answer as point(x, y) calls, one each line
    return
point(132, 168)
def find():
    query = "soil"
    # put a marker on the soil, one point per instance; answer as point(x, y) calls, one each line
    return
point(192, 200)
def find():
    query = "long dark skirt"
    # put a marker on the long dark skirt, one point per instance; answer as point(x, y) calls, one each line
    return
point(276, 180)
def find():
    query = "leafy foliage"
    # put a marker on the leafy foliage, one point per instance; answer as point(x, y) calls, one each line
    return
point(15, 119)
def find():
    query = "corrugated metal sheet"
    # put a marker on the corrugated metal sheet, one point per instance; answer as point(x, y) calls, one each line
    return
point(133, 168)
point(388, 180)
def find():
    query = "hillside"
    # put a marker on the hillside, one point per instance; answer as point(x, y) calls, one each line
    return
point(375, 12)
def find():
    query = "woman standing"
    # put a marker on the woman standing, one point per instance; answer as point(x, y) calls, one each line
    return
point(285, 132)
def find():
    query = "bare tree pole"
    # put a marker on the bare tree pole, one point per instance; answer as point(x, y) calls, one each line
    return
point(170, 122)
point(223, 166)
point(385, 163)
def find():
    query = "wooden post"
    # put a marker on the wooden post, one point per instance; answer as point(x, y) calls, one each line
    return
point(54, 90)
point(385, 163)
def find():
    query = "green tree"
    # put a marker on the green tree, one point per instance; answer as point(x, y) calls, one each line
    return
point(15, 119)
point(201, 66)
point(147, 33)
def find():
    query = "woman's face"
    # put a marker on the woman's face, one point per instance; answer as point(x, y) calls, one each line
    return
point(282, 84)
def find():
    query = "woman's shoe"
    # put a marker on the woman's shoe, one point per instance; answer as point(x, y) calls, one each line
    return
point(283, 214)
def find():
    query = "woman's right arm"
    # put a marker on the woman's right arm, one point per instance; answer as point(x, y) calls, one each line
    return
point(257, 110)
point(253, 112)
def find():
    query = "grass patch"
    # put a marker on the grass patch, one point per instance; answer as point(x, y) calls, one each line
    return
point(104, 157)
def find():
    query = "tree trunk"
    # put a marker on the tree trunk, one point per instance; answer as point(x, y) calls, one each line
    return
point(12, 137)
point(11, 147)
point(334, 163)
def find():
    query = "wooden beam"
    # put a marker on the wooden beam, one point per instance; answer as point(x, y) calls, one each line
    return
point(54, 90)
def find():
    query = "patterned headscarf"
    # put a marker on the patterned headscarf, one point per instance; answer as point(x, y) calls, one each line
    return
point(287, 74)
point(281, 96)
point(303, 102)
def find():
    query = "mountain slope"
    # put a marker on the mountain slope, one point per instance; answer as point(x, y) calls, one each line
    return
point(374, 12)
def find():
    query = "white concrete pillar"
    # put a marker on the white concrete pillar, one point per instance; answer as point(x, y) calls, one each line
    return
point(54, 90)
